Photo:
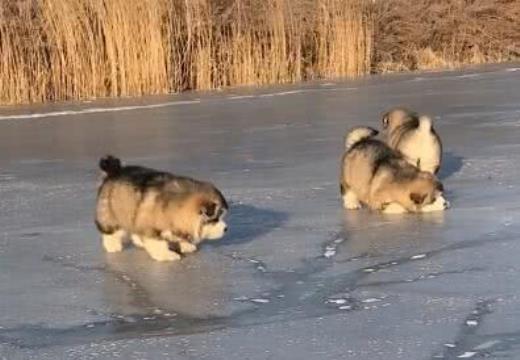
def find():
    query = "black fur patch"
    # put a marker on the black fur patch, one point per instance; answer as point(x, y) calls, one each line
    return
point(209, 209)
point(439, 186)
point(110, 165)
point(174, 246)
point(383, 158)
point(107, 230)
point(417, 198)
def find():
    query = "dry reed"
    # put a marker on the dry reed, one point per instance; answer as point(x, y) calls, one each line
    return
point(431, 34)
point(75, 49)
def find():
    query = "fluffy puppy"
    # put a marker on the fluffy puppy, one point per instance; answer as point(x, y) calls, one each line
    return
point(414, 136)
point(375, 175)
point(163, 213)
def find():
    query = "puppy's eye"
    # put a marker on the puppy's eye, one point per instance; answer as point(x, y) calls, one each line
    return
point(385, 120)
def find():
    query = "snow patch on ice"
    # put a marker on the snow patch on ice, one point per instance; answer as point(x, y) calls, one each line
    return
point(371, 300)
point(98, 110)
point(260, 301)
point(467, 355)
point(486, 345)
point(337, 301)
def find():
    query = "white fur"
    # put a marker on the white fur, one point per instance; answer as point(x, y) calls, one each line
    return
point(394, 208)
point(440, 204)
point(186, 247)
point(159, 250)
point(358, 134)
point(213, 231)
point(425, 123)
point(113, 242)
point(423, 149)
point(350, 201)
point(137, 241)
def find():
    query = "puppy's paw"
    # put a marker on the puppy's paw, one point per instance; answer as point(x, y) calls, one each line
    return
point(113, 243)
point(159, 250)
point(393, 208)
point(187, 247)
point(350, 201)
point(351, 206)
point(166, 256)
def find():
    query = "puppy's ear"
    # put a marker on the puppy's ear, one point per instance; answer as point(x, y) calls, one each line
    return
point(417, 198)
point(386, 119)
point(208, 209)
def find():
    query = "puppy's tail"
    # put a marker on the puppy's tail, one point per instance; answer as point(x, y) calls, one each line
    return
point(110, 165)
point(425, 123)
point(358, 134)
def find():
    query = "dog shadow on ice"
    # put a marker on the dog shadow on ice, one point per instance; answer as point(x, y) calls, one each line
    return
point(247, 222)
point(451, 164)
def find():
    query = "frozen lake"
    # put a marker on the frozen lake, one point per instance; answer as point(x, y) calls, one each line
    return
point(296, 277)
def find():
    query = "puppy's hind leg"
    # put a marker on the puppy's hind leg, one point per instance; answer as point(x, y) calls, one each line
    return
point(350, 199)
point(159, 250)
point(114, 242)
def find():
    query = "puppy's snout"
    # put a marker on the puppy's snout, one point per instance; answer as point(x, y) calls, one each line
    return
point(225, 229)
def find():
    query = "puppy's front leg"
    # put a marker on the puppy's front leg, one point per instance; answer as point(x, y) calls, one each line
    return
point(159, 250)
point(394, 208)
point(351, 201)
point(185, 247)
point(114, 242)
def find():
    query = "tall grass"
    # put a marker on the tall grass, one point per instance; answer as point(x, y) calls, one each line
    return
point(75, 49)
point(429, 34)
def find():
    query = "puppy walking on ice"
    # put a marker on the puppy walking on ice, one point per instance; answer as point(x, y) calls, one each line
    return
point(163, 213)
point(375, 175)
point(414, 136)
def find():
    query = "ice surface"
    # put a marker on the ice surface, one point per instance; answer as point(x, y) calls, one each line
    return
point(264, 291)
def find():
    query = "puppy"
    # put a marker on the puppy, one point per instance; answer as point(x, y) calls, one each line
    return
point(415, 137)
point(375, 175)
point(158, 210)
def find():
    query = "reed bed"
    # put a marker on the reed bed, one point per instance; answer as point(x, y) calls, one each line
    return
point(54, 50)
point(433, 34)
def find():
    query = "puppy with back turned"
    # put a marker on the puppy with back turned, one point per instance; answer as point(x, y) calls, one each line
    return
point(163, 213)
point(415, 137)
